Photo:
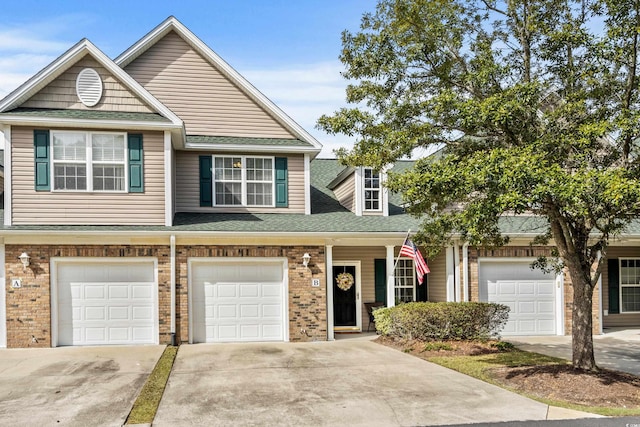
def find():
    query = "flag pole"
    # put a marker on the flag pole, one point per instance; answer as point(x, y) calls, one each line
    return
point(398, 257)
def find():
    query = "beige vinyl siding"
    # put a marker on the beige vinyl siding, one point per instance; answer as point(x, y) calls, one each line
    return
point(622, 319)
point(437, 279)
point(366, 256)
point(207, 101)
point(86, 208)
point(188, 185)
point(346, 193)
point(61, 93)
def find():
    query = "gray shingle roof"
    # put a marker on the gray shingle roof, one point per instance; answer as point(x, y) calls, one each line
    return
point(86, 115)
point(230, 140)
point(328, 216)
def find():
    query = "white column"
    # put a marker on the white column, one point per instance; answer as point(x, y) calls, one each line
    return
point(6, 135)
point(456, 276)
point(391, 295)
point(465, 272)
point(450, 273)
point(328, 253)
point(307, 184)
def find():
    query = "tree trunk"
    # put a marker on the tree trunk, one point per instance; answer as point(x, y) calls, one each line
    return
point(582, 320)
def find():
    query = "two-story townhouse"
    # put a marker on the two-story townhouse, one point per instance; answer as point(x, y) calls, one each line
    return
point(160, 197)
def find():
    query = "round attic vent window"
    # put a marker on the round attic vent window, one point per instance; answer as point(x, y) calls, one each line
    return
point(89, 87)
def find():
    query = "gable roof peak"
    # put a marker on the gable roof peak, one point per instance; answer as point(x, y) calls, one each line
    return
point(173, 24)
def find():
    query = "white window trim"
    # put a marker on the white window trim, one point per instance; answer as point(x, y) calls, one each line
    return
point(413, 276)
point(364, 190)
point(244, 181)
point(88, 162)
point(620, 285)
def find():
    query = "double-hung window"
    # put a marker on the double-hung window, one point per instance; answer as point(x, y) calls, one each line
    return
point(371, 190)
point(243, 181)
point(88, 161)
point(630, 285)
point(405, 281)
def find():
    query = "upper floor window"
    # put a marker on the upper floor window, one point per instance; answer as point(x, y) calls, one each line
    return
point(371, 190)
point(630, 285)
point(243, 181)
point(88, 161)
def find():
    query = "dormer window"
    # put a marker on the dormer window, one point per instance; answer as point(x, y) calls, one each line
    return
point(372, 190)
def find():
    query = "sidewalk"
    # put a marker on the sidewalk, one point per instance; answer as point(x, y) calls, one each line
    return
point(617, 349)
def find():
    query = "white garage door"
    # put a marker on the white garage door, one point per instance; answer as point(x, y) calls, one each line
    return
point(237, 302)
point(530, 295)
point(106, 303)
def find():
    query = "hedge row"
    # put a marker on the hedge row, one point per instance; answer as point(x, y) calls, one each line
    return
point(442, 320)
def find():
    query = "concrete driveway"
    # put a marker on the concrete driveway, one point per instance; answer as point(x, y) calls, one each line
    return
point(617, 349)
point(78, 386)
point(346, 382)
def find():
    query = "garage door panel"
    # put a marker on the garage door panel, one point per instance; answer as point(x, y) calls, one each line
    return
point(249, 290)
point(526, 307)
point(506, 288)
point(224, 291)
point(106, 303)
point(546, 288)
point(93, 291)
point(95, 313)
point(118, 313)
point(142, 313)
point(249, 309)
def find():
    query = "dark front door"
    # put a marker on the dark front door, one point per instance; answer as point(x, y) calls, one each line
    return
point(344, 300)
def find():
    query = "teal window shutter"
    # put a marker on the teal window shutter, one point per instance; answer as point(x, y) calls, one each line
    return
point(206, 181)
point(282, 198)
point(614, 286)
point(380, 278)
point(41, 152)
point(136, 163)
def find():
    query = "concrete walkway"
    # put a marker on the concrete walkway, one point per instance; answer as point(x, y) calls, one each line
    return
point(72, 386)
point(347, 382)
point(617, 349)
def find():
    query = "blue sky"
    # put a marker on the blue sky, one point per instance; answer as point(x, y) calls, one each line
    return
point(288, 49)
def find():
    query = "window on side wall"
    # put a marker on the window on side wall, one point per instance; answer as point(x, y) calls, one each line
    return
point(372, 191)
point(629, 285)
point(88, 161)
point(243, 181)
point(405, 281)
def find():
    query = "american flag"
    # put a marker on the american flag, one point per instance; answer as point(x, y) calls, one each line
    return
point(409, 249)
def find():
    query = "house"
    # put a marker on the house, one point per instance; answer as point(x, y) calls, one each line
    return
point(159, 197)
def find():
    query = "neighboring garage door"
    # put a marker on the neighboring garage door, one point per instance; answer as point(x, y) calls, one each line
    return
point(102, 303)
point(239, 301)
point(530, 295)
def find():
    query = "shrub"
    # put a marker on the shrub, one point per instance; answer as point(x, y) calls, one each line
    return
point(442, 320)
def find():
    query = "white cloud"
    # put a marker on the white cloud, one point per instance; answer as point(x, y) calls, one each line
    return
point(305, 93)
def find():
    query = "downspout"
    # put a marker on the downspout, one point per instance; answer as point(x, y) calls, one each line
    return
point(173, 289)
point(328, 253)
point(465, 271)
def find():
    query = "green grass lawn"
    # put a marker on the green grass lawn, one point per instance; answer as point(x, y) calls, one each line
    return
point(481, 367)
point(146, 405)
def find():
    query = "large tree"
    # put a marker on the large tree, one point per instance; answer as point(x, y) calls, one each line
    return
point(534, 108)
